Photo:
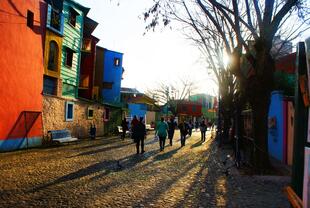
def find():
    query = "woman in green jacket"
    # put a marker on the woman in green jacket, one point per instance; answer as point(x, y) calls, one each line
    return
point(161, 132)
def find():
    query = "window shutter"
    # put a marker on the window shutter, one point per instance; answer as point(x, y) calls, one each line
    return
point(49, 14)
point(61, 23)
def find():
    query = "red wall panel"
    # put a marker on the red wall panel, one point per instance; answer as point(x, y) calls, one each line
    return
point(21, 62)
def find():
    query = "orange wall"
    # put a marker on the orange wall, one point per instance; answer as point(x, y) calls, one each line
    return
point(290, 132)
point(21, 62)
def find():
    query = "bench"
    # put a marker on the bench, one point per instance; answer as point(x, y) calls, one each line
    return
point(62, 136)
point(148, 127)
point(120, 131)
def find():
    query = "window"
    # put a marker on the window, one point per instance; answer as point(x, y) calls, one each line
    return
point(69, 57)
point(53, 56)
point(69, 111)
point(116, 62)
point(107, 85)
point(30, 16)
point(194, 109)
point(55, 19)
point(68, 90)
point(72, 17)
point(90, 113)
point(49, 85)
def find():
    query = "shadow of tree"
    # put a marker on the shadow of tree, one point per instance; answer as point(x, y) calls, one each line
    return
point(197, 144)
point(91, 152)
point(166, 155)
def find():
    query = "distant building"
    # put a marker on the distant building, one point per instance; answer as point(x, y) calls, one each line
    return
point(208, 103)
point(286, 63)
point(139, 104)
point(186, 110)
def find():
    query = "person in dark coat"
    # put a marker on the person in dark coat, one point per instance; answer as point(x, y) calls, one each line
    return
point(92, 131)
point(203, 129)
point(196, 125)
point(124, 128)
point(190, 127)
point(133, 124)
point(171, 127)
point(183, 131)
point(140, 133)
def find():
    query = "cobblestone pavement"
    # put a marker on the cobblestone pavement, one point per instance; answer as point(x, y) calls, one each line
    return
point(107, 173)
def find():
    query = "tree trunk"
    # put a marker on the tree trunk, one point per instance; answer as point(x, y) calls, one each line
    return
point(259, 89)
point(260, 118)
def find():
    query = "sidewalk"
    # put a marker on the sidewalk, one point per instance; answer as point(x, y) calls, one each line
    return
point(254, 190)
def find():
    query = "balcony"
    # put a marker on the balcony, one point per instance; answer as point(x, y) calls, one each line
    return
point(84, 82)
point(86, 45)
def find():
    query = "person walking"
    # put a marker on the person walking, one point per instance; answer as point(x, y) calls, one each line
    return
point(190, 127)
point(196, 125)
point(133, 123)
point(183, 132)
point(140, 135)
point(92, 131)
point(203, 128)
point(171, 127)
point(124, 128)
point(161, 132)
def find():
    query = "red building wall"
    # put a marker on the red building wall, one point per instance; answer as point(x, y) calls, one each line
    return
point(88, 69)
point(286, 63)
point(189, 108)
point(21, 64)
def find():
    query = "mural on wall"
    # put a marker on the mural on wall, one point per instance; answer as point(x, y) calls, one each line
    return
point(306, 186)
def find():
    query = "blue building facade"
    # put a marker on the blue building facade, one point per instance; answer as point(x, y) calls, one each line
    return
point(137, 109)
point(112, 76)
point(276, 130)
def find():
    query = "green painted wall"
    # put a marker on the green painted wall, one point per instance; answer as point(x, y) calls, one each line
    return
point(72, 39)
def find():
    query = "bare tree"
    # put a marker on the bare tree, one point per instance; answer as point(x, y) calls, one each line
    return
point(245, 30)
point(166, 92)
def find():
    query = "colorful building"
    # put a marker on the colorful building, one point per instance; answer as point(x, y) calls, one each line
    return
point(108, 76)
point(107, 85)
point(139, 104)
point(53, 48)
point(74, 15)
point(22, 28)
point(186, 110)
point(69, 69)
point(112, 76)
point(208, 103)
point(88, 57)
point(281, 127)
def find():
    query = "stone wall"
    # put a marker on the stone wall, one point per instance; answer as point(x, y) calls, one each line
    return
point(54, 116)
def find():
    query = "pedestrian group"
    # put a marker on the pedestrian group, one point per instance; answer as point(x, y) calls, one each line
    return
point(162, 130)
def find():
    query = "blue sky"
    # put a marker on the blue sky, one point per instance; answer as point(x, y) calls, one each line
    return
point(161, 56)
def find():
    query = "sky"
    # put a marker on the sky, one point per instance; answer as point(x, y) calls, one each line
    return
point(163, 56)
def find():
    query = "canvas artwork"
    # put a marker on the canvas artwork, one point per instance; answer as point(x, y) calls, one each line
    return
point(306, 186)
point(307, 42)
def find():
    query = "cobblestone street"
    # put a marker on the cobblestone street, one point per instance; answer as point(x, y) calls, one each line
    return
point(107, 173)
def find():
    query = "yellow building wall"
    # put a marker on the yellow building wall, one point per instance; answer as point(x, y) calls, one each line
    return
point(50, 36)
